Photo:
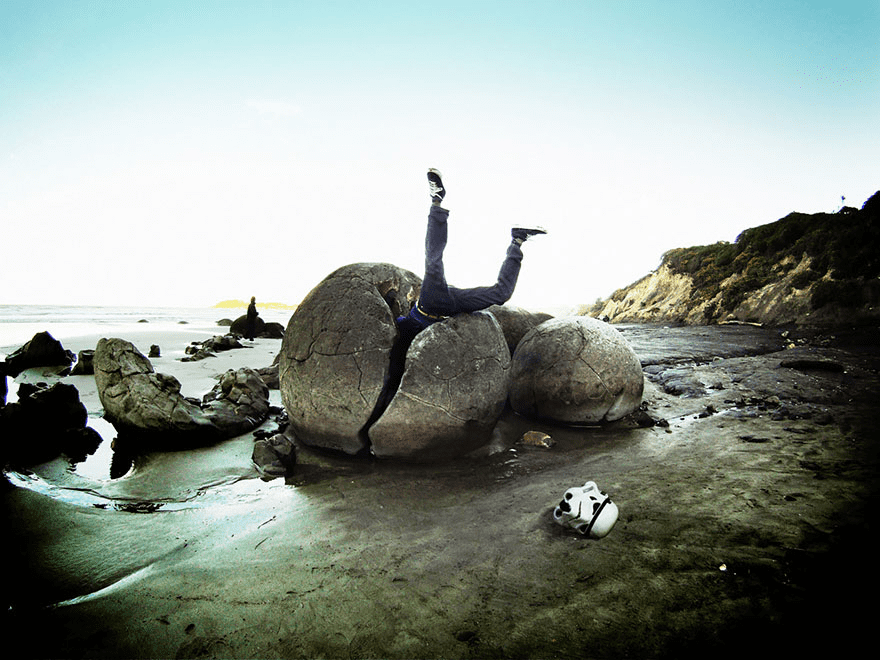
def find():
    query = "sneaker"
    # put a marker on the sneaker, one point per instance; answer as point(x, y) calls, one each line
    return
point(522, 234)
point(435, 186)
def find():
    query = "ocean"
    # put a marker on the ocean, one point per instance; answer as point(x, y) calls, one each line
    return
point(19, 323)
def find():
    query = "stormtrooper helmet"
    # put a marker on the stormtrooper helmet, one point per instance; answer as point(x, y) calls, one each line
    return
point(588, 510)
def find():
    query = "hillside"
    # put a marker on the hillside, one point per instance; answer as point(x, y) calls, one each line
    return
point(820, 268)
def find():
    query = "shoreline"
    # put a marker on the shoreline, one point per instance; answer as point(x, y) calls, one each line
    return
point(749, 511)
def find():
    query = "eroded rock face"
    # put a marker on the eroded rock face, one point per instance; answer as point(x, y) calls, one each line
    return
point(335, 356)
point(452, 392)
point(139, 401)
point(238, 403)
point(575, 370)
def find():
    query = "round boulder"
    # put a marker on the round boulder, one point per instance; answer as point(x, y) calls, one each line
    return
point(452, 392)
point(575, 370)
point(335, 355)
point(516, 322)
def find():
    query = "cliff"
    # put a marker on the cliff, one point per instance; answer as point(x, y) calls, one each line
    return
point(804, 269)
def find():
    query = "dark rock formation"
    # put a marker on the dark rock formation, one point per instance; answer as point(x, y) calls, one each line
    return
point(575, 370)
point(452, 393)
point(274, 456)
point(43, 350)
point(238, 403)
point(208, 348)
point(43, 423)
point(335, 356)
point(516, 322)
point(140, 402)
point(148, 409)
point(265, 330)
point(84, 363)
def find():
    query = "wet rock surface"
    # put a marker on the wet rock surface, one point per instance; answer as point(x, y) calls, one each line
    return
point(336, 353)
point(575, 370)
point(452, 393)
point(746, 522)
point(238, 403)
point(149, 411)
point(140, 402)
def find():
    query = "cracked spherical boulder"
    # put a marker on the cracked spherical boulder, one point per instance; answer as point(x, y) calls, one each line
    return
point(575, 370)
point(335, 356)
point(452, 392)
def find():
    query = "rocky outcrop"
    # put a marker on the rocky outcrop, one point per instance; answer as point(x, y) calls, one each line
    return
point(140, 402)
point(210, 347)
point(238, 403)
point(804, 269)
point(262, 329)
point(452, 392)
point(274, 456)
point(43, 350)
point(575, 370)
point(335, 356)
point(45, 421)
point(84, 363)
point(149, 410)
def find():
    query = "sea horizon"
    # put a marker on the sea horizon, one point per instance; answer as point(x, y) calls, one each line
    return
point(19, 323)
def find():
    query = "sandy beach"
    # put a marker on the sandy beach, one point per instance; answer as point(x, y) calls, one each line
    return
point(744, 521)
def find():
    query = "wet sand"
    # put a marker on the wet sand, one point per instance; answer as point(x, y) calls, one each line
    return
point(744, 528)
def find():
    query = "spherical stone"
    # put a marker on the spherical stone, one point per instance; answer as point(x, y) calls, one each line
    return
point(516, 322)
point(575, 370)
point(334, 358)
point(452, 392)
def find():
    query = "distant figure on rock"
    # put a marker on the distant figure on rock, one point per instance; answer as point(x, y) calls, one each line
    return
point(251, 328)
point(437, 299)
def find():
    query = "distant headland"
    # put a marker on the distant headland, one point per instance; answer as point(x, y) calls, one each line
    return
point(804, 269)
point(232, 304)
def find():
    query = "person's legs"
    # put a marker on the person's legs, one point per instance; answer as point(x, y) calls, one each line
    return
point(434, 297)
point(440, 299)
point(477, 298)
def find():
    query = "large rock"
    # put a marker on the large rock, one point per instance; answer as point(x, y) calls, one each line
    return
point(452, 392)
point(43, 350)
point(140, 402)
point(335, 356)
point(575, 370)
point(45, 421)
point(239, 402)
point(516, 322)
point(270, 330)
point(84, 363)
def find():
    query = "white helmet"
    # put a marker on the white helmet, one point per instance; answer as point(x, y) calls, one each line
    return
point(588, 510)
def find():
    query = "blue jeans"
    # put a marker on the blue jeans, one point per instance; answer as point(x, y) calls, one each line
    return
point(438, 298)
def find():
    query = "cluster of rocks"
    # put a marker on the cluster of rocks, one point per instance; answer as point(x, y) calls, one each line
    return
point(148, 408)
point(45, 421)
point(347, 387)
point(238, 327)
point(210, 347)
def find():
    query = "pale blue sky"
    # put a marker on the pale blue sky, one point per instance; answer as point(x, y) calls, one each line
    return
point(187, 152)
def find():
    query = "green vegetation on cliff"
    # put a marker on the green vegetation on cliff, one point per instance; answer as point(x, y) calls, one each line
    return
point(843, 248)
